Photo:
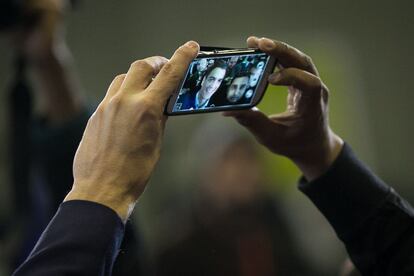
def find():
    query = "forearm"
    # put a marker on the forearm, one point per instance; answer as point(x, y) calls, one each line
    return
point(375, 223)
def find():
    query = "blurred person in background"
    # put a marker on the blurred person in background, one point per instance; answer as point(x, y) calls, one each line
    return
point(46, 126)
point(373, 221)
point(235, 227)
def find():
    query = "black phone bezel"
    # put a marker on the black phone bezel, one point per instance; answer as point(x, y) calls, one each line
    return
point(260, 90)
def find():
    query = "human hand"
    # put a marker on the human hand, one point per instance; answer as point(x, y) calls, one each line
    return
point(122, 140)
point(39, 37)
point(302, 132)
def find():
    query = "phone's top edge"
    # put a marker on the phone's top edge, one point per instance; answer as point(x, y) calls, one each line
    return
point(229, 51)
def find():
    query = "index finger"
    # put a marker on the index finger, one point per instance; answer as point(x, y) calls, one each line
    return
point(141, 72)
point(287, 55)
point(173, 71)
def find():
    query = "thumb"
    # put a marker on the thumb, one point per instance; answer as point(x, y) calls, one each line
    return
point(258, 123)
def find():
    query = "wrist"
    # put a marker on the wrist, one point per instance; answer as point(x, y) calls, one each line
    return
point(320, 158)
point(122, 205)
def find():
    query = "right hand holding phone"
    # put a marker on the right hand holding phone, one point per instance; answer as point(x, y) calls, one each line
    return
point(302, 132)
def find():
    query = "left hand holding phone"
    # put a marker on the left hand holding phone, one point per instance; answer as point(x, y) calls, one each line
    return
point(122, 140)
point(302, 132)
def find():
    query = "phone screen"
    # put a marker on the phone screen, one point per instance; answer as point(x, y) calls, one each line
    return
point(220, 82)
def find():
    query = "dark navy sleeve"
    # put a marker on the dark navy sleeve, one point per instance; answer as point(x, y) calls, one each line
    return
point(83, 238)
point(374, 222)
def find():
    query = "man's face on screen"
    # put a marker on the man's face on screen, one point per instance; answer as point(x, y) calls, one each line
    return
point(212, 82)
point(237, 88)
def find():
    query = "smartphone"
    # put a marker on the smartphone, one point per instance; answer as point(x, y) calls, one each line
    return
point(221, 80)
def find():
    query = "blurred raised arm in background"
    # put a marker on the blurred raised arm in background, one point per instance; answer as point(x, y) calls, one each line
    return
point(49, 112)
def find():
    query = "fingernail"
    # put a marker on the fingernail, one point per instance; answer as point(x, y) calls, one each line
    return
point(191, 44)
point(268, 43)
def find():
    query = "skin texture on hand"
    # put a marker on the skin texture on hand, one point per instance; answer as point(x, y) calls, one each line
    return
point(122, 141)
point(302, 132)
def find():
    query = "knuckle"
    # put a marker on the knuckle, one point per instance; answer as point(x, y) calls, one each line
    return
point(281, 48)
point(100, 110)
point(308, 60)
point(307, 63)
point(116, 101)
point(168, 68)
point(318, 86)
point(120, 77)
point(325, 92)
point(99, 113)
point(141, 64)
point(284, 46)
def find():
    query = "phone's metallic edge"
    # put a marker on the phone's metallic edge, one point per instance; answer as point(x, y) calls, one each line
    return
point(255, 101)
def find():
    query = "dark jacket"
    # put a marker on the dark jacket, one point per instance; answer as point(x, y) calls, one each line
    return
point(83, 238)
point(374, 222)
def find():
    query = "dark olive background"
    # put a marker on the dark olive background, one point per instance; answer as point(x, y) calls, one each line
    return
point(363, 50)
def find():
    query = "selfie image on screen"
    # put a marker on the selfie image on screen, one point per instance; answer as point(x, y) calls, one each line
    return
point(221, 81)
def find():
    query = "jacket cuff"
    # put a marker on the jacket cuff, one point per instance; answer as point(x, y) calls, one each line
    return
point(83, 238)
point(90, 228)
